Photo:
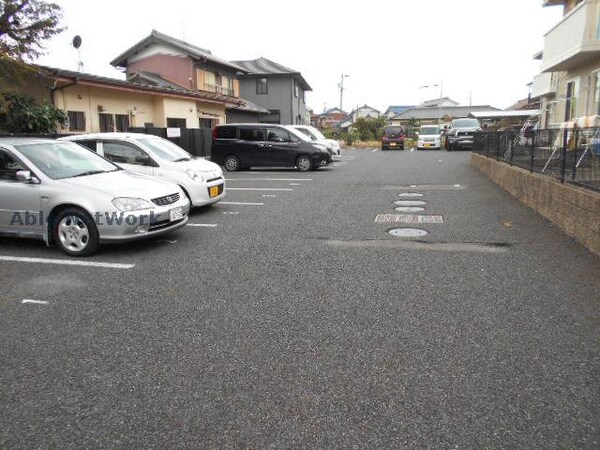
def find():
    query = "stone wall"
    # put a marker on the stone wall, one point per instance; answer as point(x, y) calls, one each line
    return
point(575, 210)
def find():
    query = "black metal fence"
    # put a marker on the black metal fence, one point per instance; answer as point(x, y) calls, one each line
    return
point(197, 141)
point(570, 155)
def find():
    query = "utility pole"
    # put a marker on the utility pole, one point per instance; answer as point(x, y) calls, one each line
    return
point(341, 86)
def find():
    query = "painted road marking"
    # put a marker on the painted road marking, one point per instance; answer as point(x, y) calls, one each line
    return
point(374, 150)
point(427, 187)
point(35, 302)
point(67, 262)
point(207, 225)
point(231, 212)
point(166, 241)
point(259, 189)
point(269, 195)
point(268, 179)
point(294, 184)
point(241, 203)
point(407, 218)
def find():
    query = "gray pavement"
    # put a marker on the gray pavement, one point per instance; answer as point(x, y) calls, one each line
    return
point(302, 323)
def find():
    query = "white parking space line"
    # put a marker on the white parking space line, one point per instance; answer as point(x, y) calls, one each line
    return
point(269, 195)
point(231, 212)
point(66, 262)
point(241, 203)
point(206, 225)
point(408, 218)
point(374, 150)
point(35, 302)
point(259, 189)
point(268, 179)
point(294, 184)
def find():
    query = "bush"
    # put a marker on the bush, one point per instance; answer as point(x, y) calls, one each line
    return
point(23, 115)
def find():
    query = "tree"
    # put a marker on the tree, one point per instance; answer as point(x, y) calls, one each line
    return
point(24, 25)
point(23, 115)
point(369, 128)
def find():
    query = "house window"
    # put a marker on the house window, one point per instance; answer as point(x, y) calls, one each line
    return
point(273, 117)
point(107, 122)
point(122, 122)
point(296, 90)
point(596, 97)
point(262, 86)
point(76, 120)
point(571, 98)
point(176, 123)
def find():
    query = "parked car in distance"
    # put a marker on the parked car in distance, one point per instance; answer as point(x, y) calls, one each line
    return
point(461, 133)
point(62, 193)
point(393, 138)
point(242, 146)
point(429, 137)
point(317, 137)
point(201, 180)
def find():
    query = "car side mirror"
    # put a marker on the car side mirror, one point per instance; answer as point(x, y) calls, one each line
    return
point(24, 176)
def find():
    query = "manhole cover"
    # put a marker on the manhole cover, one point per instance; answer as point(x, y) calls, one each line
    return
point(410, 194)
point(410, 202)
point(409, 208)
point(407, 232)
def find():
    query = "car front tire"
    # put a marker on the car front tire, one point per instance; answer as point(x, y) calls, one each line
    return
point(231, 163)
point(76, 233)
point(304, 163)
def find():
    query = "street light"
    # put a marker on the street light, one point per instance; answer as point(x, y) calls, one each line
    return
point(441, 86)
point(341, 86)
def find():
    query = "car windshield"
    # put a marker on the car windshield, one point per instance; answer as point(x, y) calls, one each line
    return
point(392, 130)
point(307, 133)
point(298, 134)
point(428, 131)
point(59, 160)
point(316, 133)
point(465, 123)
point(166, 149)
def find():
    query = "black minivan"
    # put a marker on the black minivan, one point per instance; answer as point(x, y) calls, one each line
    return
point(241, 146)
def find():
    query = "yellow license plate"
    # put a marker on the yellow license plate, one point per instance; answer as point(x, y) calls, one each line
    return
point(392, 144)
point(427, 145)
point(213, 191)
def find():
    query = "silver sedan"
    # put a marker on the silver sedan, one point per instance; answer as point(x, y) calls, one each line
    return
point(67, 195)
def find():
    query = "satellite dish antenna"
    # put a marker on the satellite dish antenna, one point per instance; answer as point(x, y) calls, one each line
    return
point(76, 44)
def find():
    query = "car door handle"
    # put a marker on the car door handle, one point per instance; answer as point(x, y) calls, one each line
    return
point(265, 145)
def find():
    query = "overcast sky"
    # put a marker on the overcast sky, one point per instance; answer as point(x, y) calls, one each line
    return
point(389, 49)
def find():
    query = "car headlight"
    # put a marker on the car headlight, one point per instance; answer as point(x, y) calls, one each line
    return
point(194, 175)
point(131, 204)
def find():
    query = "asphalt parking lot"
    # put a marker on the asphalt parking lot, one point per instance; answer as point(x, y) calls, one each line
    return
point(287, 316)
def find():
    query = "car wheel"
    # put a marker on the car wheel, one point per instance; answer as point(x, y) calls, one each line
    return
point(304, 163)
point(76, 233)
point(232, 163)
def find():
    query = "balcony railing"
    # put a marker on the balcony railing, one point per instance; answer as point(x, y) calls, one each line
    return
point(218, 89)
point(573, 40)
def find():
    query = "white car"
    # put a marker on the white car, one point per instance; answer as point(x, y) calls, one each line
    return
point(201, 180)
point(429, 138)
point(316, 136)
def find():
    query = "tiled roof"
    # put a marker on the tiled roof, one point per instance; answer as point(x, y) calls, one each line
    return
point(183, 46)
point(164, 87)
point(439, 113)
point(264, 66)
point(248, 106)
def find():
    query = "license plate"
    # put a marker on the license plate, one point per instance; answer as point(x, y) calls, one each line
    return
point(427, 145)
point(392, 144)
point(213, 191)
point(176, 213)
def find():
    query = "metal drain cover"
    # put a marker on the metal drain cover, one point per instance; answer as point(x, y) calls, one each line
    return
point(410, 194)
point(409, 208)
point(407, 232)
point(410, 202)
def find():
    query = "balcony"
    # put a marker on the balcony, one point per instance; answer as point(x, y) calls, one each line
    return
point(574, 40)
point(218, 89)
point(544, 84)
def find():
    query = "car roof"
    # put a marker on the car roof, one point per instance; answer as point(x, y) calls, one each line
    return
point(15, 140)
point(112, 135)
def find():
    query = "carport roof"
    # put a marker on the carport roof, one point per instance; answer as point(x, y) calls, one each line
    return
point(439, 113)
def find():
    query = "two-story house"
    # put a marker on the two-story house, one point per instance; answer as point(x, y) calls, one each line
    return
point(277, 88)
point(159, 58)
point(569, 84)
point(332, 118)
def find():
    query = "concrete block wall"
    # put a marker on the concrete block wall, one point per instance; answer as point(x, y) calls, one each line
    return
point(575, 210)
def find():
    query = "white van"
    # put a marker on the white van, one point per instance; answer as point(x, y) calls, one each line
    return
point(201, 180)
point(429, 138)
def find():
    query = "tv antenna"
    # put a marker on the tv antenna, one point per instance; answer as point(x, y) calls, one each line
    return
point(77, 44)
